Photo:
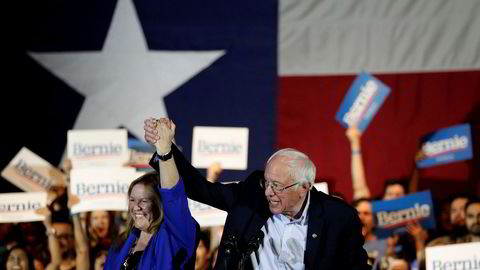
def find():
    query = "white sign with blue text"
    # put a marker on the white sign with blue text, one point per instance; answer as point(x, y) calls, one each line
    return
point(362, 101)
point(225, 145)
point(103, 188)
point(22, 206)
point(30, 172)
point(392, 216)
point(464, 256)
point(103, 147)
point(446, 146)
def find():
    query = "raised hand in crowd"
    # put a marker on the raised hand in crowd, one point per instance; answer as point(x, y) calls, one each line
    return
point(419, 234)
point(214, 171)
point(59, 234)
point(359, 181)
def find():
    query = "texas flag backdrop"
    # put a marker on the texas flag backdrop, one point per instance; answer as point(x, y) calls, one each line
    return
point(280, 68)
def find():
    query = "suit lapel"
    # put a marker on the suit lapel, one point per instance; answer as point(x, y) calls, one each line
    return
point(259, 219)
point(314, 231)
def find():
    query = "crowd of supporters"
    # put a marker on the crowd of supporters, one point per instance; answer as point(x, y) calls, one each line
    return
point(82, 241)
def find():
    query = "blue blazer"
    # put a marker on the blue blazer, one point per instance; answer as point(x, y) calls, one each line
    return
point(172, 245)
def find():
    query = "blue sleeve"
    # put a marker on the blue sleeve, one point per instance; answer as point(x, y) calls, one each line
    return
point(178, 220)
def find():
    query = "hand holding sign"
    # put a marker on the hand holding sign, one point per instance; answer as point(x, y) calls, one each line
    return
point(47, 222)
point(393, 216)
point(362, 101)
point(353, 134)
point(446, 145)
point(214, 171)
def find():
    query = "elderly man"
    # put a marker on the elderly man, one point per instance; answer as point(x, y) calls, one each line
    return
point(276, 219)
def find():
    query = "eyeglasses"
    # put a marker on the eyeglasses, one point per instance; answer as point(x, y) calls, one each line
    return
point(276, 187)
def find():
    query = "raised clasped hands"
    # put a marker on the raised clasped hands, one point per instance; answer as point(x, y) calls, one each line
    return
point(165, 131)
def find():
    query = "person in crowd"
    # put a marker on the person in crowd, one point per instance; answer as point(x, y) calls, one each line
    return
point(100, 228)
point(472, 220)
point(364, 209)
point(67, 241)
point(214, 171)
point(276, 219)
point(98, 256)
point(394, 188)
point(203, 249)
point(459, 233)
point(31, 235)
point(457, 219)
point(17, 258)
point(213, 257)
point(397, 250)
point(161, 233)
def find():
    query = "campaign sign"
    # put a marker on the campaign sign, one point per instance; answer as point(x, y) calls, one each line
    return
point(101, 188)
point(464, 256)
point(30, 172)
point(226, 145)
point(392, 216)
point(446, 145)
point(206, 215)
point(362, 101)
point(21, 206)
point(140, 154)
point(87, 148)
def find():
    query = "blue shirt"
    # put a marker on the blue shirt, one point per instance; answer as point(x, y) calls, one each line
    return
point(176, 235)
point(284, 243)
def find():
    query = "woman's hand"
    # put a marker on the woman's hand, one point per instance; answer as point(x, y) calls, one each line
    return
point(165, 131)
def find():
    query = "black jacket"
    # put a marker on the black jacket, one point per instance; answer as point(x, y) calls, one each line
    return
point(334, 238)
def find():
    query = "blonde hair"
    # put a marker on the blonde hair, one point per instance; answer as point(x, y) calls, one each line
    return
point(150, 181)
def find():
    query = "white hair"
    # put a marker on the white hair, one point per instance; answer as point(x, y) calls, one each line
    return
point(300, 166)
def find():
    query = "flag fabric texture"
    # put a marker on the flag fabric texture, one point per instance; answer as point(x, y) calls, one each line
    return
point(280, 68)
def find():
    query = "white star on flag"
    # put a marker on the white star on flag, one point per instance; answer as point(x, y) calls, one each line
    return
point(124, 83)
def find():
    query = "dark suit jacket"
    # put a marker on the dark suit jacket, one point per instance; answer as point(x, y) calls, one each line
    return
point(334, 238)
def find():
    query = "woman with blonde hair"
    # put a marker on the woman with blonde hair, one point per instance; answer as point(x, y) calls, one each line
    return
point(160, 230)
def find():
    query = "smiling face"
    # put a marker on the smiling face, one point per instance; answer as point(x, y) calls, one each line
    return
point(140, 207)
point(17, 260)
point(289, 201)
point(100, 223)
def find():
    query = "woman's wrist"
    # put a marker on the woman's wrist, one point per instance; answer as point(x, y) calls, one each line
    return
point(164, 149)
